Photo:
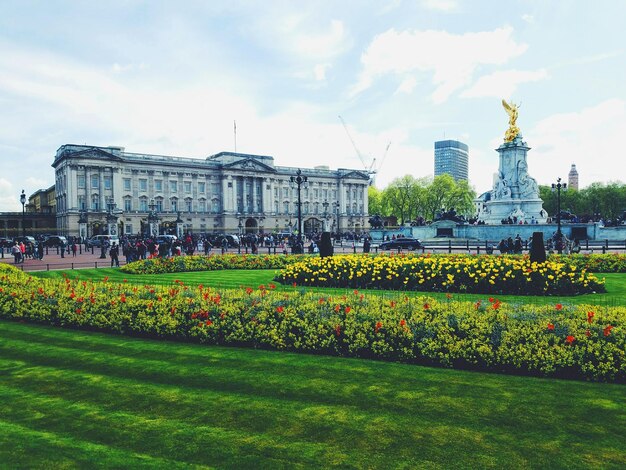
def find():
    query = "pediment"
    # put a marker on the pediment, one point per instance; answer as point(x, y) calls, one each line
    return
point(356, 174)
point(95, 154)
point(249, 164)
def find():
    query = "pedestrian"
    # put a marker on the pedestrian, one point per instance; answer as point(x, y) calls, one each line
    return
point(40, 250)
point(17, 254)
point(74, 249)
point(114, 253)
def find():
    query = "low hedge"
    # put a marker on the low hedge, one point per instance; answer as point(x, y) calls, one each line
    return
point(484, 274)
point(563, 341)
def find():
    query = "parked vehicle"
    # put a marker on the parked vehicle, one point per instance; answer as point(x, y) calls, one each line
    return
point(403, 243)
point(55, 240)
point(5, 242)
point(98, 240)
point(216, 240)
point(169, 239)
point(26, 239)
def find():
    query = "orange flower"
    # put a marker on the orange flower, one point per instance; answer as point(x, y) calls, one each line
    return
point(249, 290)
point(403, 322)
point(607, 330)
point(348, 309)
point(337, 308)
point(570, 339)
point(392, 304)
point(590, 316)
point(550, 326)
point(559, 306)
point(378, 326)
point(338, 330)
point(356, 292)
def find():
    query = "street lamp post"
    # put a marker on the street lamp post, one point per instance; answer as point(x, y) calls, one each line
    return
point(153, 220)
point(559, 236)
point(298, 181)
point(23, 201)
point(325, 205)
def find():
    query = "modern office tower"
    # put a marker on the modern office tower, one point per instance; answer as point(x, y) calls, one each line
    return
point(451, 157)
point(573, 178)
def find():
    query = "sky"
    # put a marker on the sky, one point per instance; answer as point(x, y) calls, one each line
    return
point(172, 78)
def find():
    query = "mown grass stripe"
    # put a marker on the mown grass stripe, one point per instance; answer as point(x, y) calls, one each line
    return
point(289, 410)
point(161, 437)
point(55, 451)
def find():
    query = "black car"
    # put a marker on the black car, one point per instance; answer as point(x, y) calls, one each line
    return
point(403, 243)
point(55, 240)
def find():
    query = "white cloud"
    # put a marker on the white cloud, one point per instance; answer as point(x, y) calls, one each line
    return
point(528, 18)
point(590, 138)
point(319, 71)
point(450, 58)
point(503, 83)
point(441, 5)
point(407, 85)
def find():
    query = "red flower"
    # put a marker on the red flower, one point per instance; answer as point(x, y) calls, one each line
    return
point(348, 309)
point(356, 292)
point(208, 323)
point(403, 322)
point(248, 290)
point(477, 305)
point(426, 306)
point(321, 300)
point(123, 298)
point(378, 326)
point(570, 339)
point(392, 304)
point(294, 284)
point(491, 300)
point(587, 333)
point(338, 330)
point(337, 308)
point(607, 330)
point(272, 286)
point(496, 305)
point(78, 311)
point(280, 309)
point(590, 316)
point(550, 326)
point(559, 306)
point(449, 296)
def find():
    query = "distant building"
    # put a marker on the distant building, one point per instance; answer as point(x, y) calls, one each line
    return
point(228, 192)
point(451, 157)
point(573, 178)
point(37, 219)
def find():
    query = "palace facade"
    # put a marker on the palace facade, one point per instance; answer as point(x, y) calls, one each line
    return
point(99, 189)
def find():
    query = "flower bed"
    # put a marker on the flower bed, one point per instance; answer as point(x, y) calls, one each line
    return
point(444, 273)
point(178, 264)
point(596, 263)
point(566, 341)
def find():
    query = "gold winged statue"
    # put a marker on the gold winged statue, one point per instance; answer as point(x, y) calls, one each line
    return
point(513, 130)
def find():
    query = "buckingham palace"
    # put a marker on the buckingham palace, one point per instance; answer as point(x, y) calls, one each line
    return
point(106, 189)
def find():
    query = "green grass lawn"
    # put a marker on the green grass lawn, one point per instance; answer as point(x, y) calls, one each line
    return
point(73, 399)
point(615, 284)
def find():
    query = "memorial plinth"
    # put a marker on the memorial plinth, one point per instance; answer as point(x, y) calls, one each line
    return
point(515, 194)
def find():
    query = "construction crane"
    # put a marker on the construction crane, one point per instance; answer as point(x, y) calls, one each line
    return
point(369, 169)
